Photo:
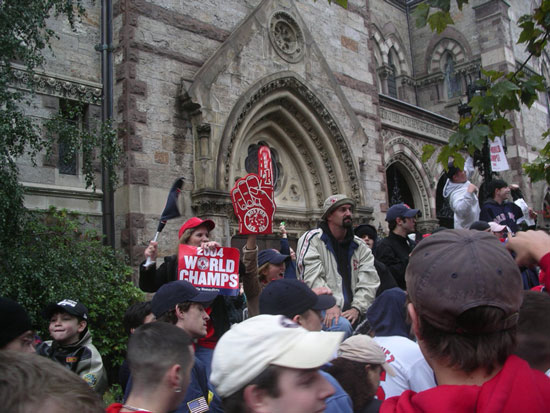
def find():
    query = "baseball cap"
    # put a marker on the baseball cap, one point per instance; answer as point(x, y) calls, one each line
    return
point(456, 270)
point(334, 201)
point(249, 347)
point(480, 226)
point(194, 223)
point(364, 349)
point(271, 256)
point(177, 292)
point(14, 320)
point(290, 297)
point(496, 227)
point(69, 306)
point(400, 210)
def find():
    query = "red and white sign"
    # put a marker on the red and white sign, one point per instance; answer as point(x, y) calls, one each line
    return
point(498, 157)
point(210, 270)
point(252, 197)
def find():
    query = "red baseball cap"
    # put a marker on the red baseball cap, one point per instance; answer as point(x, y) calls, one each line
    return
point(194, 223)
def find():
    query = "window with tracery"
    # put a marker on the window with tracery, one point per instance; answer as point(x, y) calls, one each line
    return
point(452, 79)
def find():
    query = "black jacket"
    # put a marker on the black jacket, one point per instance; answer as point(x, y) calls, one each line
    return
point(393, 251)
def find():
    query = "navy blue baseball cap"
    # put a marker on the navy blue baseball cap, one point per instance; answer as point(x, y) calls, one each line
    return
point(271, 256)
point(290, 297)
point(400, 210)
point(178, 292)
point(68, 306)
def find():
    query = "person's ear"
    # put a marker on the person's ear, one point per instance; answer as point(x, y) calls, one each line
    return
point(256, 399)
point(174, 378)
point(82, 325)
point(297, 319)
point(414, 320)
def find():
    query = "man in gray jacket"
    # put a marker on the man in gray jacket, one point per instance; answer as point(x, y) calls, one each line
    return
point(332, 256)
point(462, 197)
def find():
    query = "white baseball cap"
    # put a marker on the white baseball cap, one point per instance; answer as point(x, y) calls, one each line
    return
point(251, 346)
point(364, 349)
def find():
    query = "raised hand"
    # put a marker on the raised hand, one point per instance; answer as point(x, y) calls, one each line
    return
point(252, 197)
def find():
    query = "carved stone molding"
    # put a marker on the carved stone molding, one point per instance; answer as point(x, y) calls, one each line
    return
point(53, 85)
point(418, 179)
point(211, 202)
point(324, 116)
point(402, 141)
point(415, 125)
point(286, 37)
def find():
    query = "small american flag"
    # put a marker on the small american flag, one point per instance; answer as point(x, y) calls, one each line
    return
point(198, 405)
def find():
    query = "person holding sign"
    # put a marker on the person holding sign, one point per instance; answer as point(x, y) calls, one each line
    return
point(195, 232)
point(254, 206)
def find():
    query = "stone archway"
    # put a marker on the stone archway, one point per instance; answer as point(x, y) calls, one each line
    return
point(403, 155)
point(315, 158)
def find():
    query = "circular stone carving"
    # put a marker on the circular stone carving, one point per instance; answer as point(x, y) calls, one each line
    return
point(286, 37)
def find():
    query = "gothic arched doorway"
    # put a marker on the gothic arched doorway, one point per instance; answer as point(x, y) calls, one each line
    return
point(399, 190)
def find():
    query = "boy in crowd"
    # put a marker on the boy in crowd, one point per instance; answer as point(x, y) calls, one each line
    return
point(161, 357)
point(465, 293)
point(295, 300)
point(181, 304)
point(32, 383)
point(269, 364)
point(72, 343)
point(15, 327)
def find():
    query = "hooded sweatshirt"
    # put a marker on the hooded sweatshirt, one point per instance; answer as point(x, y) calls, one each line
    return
point(464, 204)
point(506, 213)
point(516, 388)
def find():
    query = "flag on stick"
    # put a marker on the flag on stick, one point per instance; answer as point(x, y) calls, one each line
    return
point(170, 210)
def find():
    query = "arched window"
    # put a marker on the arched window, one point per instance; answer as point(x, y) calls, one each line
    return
point(452, 80)
point(392, 84)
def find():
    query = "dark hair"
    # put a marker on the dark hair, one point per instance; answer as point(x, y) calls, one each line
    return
point(267, 380)
point(30, 381)
point(494, 185)
point(153, 349)
point(392, 225)
point(470, 351)
point(135, 315)
point(534, 330)
point(516, 193)
point(353, 378)
point(171, 317)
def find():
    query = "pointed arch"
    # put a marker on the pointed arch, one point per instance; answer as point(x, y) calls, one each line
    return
point(419, 179)
point(283, 112)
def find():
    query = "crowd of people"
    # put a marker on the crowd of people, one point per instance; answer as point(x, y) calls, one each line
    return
point(349, 323)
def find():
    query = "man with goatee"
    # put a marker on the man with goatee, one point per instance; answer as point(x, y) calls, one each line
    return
point(332, 256)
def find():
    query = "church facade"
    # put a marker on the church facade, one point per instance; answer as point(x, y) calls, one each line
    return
point(344, 98)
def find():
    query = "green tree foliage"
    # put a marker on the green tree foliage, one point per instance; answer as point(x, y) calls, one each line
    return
point(54, 258)
point(45, 256)
point(503, 92)
point(24, 35)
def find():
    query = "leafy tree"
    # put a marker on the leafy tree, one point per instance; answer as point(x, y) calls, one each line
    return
point(54, 258)
point(24, 36)
point(504, 92)
point(45, 256)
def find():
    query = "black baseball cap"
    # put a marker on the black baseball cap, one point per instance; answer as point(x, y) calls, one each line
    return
point(177, 292)
point(68, 306)
point(290, 297)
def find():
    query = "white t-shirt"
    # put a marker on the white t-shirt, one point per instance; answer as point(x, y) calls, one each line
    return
point(412, 370)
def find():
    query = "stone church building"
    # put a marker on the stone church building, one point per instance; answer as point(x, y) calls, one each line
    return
point(344, 98)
